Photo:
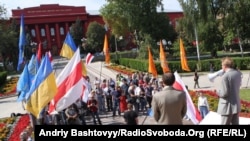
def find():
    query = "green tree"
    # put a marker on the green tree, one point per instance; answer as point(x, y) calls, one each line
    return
point(95, 37)
point(76, 30)
point(124, 16)
point(9, 41)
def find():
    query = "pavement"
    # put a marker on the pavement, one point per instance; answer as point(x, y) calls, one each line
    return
point(98, 69)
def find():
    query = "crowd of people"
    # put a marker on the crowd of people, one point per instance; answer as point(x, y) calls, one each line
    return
point(131, 96)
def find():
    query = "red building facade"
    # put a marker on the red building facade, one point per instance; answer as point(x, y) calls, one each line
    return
point(50, 23)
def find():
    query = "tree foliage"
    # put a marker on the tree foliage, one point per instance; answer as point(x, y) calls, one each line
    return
point(76, 30)
point(218, 22)
point(95, 37)
point(124, 16)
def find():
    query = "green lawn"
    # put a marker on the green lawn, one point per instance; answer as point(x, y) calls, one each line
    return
point(245, 94)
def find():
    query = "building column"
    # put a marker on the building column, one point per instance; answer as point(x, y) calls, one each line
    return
point(38, 34)
point(58, 40)
point(66, 27)
point(48, 38)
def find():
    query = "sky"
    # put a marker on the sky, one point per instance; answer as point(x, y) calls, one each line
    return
point(91, 5)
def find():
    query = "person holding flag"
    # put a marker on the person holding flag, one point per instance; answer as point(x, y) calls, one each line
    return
point(169, 105)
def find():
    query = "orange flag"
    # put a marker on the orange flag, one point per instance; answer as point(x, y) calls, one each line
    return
point(164, 64)
point(106, 50)
point(184, 64)
point(151, 64)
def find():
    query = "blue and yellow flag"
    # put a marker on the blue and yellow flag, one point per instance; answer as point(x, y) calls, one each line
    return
point(43, 88)
point(21, 44)
point(68, 48)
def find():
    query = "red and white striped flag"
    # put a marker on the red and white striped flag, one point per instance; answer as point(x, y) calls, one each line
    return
point(85, 91)
point(69, 83)
point(192, 111)
point(89, 58)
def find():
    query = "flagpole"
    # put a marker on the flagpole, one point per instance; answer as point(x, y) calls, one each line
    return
point(197, 45)
point(100, 71)
point(197, 48)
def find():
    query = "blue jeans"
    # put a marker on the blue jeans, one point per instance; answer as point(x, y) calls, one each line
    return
point(204, 111)
point(116, 106)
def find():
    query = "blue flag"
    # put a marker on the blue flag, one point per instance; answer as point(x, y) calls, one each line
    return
point(23, 84)
point(21, 44)
point(33, 67)
point(27, 77)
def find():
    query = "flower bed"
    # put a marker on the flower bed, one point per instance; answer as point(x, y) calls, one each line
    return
point(9, 88)
point(121, 69)
point(22, 123)
point(213, 102)
point(5, 127)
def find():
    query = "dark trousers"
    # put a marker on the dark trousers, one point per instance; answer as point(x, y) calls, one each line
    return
point(116, 106)
point(109, 102)
point(149, 100)
point(94, 116)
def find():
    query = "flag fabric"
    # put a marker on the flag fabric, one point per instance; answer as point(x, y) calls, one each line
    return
point(23, 84)
point(84, 70)
point(69, 83)
point(85, 91)
point(43, 88)
point(26, 78)
point(39, 53)
point(89, 58)
point(68, 50)
point(33, 67)
point(50, 56)
point(69, 47)
point(106, 50)
point(192, 111)
point(164, 64)
point(151, 64)
point(184, 64)
point(21, 44)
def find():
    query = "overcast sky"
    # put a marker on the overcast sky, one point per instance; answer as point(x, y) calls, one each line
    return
point(169, 5)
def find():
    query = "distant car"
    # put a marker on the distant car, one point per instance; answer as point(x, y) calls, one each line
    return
point(99, 54)
point(134, 50)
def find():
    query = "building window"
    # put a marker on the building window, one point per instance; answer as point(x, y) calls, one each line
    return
point(33, 33)
point(61, 31)
point(42, 32)
point(52, 31)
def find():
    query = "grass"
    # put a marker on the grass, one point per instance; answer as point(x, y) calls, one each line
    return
point(245, 94)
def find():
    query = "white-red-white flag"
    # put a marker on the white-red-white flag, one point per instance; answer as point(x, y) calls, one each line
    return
point(192, 111)
point(85, 91)
point(69, 83)
point(89, 58)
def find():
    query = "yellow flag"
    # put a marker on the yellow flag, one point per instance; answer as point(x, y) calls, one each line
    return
point(151, 64)
point(106, 50)
point(164, 64)
point(184, 64)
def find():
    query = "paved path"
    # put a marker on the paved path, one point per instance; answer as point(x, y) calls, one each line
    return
point(97, 69)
